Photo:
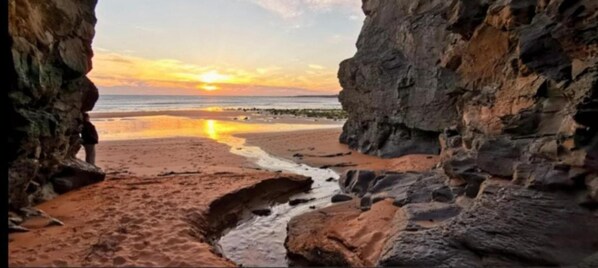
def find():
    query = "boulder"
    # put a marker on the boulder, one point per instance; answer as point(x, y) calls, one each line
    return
point(262, 212)
point(75, 174)
point(340, 198)
point(357, 181)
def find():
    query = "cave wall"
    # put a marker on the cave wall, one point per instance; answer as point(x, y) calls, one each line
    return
point(50, 49)
point(477, 68)
point(506, 91)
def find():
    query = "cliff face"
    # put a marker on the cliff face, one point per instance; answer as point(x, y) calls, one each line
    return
point(479, 68)
point(50, 49)
point(506, 92)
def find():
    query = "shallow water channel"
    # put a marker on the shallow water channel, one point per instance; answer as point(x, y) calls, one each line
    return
point(259, 241)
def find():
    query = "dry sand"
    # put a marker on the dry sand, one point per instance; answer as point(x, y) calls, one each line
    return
point(138, 221)
point(153, 157)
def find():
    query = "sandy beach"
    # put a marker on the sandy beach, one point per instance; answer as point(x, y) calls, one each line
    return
point(138, 216)
point(302, 133)
point(151, 210)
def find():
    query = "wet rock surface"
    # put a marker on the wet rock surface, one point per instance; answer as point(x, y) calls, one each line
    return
point(503, 91)
point(50, 53)
point(337, 198)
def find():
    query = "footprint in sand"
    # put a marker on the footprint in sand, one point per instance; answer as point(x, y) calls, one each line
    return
point(139, 246)
point(119, 260)
point(60, 263)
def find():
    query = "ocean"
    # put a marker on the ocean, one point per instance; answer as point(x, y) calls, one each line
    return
point(130, 103)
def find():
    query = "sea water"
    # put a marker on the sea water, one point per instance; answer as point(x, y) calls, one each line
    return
point(132, 103)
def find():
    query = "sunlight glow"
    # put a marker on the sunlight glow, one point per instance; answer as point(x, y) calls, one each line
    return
point(152, 127)
point(165, 75)
point(209, 87)
point(214, 77)
point(212, 129)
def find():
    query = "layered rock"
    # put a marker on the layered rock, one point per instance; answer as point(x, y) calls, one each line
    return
point(479, 68)
point(50, 53)
point(507, 93)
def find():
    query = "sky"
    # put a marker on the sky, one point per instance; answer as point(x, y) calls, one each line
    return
point(223, 47)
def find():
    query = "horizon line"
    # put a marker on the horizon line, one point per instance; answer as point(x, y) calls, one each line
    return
point(188, 95)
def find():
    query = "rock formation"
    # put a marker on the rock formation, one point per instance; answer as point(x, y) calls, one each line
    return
point(50, 50)
point(475, 68)
point(506, 92)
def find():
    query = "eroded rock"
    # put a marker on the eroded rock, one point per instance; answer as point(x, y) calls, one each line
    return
point(49, 51)
point(507, 92)
point(495, 230)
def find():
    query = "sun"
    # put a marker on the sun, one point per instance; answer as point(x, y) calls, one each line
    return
point(208, 87)
point(213, 77)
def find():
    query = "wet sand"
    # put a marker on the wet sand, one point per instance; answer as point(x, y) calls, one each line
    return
point(321, 148)
point(221, 114)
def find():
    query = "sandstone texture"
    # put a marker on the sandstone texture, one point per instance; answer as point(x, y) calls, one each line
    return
point(50, 52)
point(506, 92)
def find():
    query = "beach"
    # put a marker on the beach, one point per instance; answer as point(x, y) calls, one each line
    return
point(164, 169)
point(302, 133)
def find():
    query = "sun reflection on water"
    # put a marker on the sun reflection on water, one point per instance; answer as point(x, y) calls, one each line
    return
point(212, 129)
point(149, 127)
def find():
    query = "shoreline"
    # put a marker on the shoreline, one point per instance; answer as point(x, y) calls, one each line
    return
point(237, 115)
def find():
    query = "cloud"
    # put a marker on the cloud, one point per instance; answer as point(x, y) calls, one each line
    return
point(117, 70)
point(315, 66)
point(290, 9)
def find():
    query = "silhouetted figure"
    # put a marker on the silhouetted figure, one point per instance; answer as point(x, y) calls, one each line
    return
point(89, 135)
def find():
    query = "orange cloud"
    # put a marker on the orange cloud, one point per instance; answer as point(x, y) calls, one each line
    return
point(121, 70)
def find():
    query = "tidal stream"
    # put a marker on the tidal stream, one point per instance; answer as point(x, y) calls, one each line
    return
point(259, 241)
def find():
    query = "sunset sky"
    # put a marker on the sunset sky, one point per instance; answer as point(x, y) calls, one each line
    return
point(223, 47)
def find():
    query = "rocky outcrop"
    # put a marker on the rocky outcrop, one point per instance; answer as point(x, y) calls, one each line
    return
point(506, 225)
point(50, 52)
point(523, 69)
point(351, 238)
point(507, 93)
point(444, 220)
